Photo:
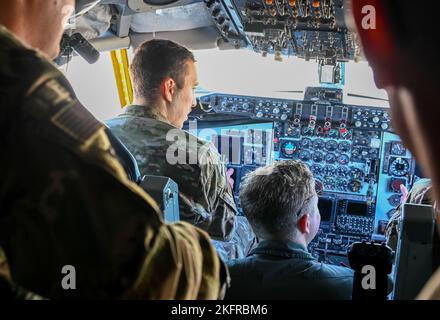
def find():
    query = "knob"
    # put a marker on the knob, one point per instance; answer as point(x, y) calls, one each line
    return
point(276, 110)
point(384, 126)
point(358, 124)
point(385, 115)
point(376, 119)
point(283, 116)
point(245, 105)
point(259, 114)
point(209, 4)
point(226, 28)
point(234, 108)
point(221, 20)
point(216, 12)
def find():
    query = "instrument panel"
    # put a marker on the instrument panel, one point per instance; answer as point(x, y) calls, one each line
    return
point(357, 160)
point(308, 29)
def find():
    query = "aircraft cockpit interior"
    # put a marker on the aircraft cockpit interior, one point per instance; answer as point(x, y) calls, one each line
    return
point(358, 162)
point(347, 139)
point(278, 80)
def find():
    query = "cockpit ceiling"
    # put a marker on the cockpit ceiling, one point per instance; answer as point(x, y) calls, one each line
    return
point(309, 29)
point(187, 17)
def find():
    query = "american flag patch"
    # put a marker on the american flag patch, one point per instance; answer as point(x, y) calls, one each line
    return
point(77, 121)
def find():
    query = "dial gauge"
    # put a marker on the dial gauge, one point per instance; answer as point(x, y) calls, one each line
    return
point(288, 149)
point(399, 167)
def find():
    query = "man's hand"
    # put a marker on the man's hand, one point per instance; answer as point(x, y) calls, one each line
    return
point(229, 174)
point(404, 191)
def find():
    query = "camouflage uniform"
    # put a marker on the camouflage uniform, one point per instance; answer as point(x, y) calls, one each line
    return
point(9, 291)
point(66, 200)
point(205, 197)
point(244, 240)
point(419, 194)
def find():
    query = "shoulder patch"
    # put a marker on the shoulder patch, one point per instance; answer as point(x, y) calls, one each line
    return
point(77, 121)
point(65, 111)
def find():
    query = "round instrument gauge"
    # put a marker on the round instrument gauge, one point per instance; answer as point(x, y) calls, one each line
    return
point(399, 167)
point(306, 131)
point(306, 143)
point(394, 200)
point(342, 172)
point(398, 149)
point(318, 156)
point(329, 184)
point(343, 159)
point(318, 144)
point(329, 171)
point(346, 134)
point(316, 169)
point(341, 185)
point(331, 145)
point(288, 149)
point(305, 155)
point(354, 186)
point(333, 133)
point(330, 158)
point(396, 183)
point(344, 146)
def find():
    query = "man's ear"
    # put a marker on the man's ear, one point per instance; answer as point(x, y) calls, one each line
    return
point(303, 224)
point(168, 87)
point(374, 28)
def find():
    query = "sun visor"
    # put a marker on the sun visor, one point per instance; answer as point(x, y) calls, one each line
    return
point(191, 16)
point(95, 22)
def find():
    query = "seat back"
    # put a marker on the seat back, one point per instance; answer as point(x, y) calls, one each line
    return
point(166, 193)
point(414, 259)
point(125, 157)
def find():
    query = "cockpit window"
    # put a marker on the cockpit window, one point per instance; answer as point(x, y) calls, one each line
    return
point(241, 72)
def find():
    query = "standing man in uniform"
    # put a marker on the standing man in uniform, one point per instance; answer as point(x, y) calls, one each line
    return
point(65, 200)
point(164, 79)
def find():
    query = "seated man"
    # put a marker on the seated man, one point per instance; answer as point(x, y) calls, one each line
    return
point(164, 79)
point(280, 203)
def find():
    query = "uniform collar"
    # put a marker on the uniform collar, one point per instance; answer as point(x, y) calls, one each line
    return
point(145, 112)
point(5, 32)
point(283, 249)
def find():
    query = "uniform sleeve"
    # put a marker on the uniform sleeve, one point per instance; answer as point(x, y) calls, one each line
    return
point(218, 194)
point(181, 262)
point(71, 204)
point(392, 229)
point(431, 290)
point(182, 265)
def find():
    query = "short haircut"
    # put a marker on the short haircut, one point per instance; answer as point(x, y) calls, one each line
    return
point(153, 62)
point(274, 197)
